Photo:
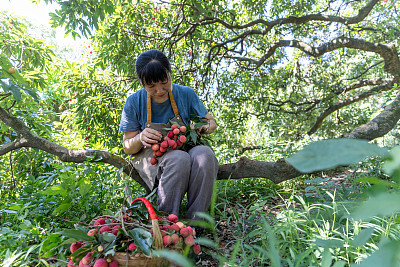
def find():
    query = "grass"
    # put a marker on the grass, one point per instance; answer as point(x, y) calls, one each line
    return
point(302, 222)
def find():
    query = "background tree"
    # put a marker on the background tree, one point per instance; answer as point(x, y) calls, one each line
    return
point(339, 77)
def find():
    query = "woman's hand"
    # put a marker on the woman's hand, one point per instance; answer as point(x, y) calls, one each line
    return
point(149, 136)
point(207, 128)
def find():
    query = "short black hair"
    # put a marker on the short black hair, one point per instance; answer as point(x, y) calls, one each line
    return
point(152, 66)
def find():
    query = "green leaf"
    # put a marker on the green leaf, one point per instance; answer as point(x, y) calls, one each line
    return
point(60, 209)
point(339, 264)
point(331, 153)
point(76, 234)
point(84, 186)
point(54, 190)
point(193, 136)
point(206, 242)
point(329, 243)
point(362, 238)
point(393, 164)
point(108, 237)
point(379, 205)
point(173, 256)
point(387, 255)
point(142, 238)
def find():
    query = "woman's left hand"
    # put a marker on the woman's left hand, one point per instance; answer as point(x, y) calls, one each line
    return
point(207, 128)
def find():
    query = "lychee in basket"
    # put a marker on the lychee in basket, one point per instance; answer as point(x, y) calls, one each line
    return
point(167, 233)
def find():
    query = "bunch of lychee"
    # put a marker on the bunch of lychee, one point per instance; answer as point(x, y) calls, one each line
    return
point(100, 226)
point(174, 139)
point(177, 234)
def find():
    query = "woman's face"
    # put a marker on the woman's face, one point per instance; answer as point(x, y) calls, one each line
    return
point(159, 91)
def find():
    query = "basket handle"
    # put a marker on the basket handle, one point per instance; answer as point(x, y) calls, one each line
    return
point(158, 242)
point(149, 207)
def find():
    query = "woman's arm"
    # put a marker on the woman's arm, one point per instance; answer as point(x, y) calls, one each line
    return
point(134, 141)
point(131, 142)
point(209, 127)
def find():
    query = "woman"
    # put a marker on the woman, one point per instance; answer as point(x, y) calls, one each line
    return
point(145, 115)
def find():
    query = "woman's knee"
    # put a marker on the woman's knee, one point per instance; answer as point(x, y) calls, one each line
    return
point(203, 156)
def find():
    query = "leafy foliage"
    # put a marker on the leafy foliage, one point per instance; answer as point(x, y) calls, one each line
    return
point(270, 93)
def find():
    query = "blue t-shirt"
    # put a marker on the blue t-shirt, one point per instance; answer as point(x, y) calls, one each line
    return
point(134, 114)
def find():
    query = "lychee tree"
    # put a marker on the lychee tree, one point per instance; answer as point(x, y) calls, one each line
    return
point(297, 70)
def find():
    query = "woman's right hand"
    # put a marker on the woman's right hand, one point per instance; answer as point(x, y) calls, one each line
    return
point(149, 136)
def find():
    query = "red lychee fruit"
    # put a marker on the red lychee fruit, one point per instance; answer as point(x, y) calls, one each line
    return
point(175, 146)
point(175, 239)
point(154, 154)
point(155, 147)
point(167, 228)
point(176, 131)
point(179, 143)
point(104, 229)
point(164, 144)
point(196, 249)
point(85, 260)
point(189, 240)
point(183, 129)
point(99, 221)
point(75, 246)
point(185, 232)
point(174, 126)
point(101, 263)
point(113, 264)
point(159, 153)
point(170, 134)
point(132, 246)
point(180, 224)
point(153, 161)
point(173, 218)
point(175, 136)
point(115, 229)
point(171, 143)
point(182, 138)
point(175, 228)
point(92, 232)
point(190, 230)
point(163, 149)
point(167, 240)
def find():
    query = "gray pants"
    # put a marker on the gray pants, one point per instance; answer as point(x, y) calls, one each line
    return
point(193, 172)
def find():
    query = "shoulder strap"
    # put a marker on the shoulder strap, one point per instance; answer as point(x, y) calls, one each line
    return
point(171, 99)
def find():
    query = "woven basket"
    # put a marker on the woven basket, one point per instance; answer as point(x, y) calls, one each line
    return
point(140, 259)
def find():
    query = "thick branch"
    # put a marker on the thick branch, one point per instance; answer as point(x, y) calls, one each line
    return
point(362, 14)
point(339, 105)
point(27, 139)
point(381, 124)
point(246, 168)
point(387, 51)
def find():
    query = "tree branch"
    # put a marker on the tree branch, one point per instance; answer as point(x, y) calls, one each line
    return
point(384, 87)
point(381, 124)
